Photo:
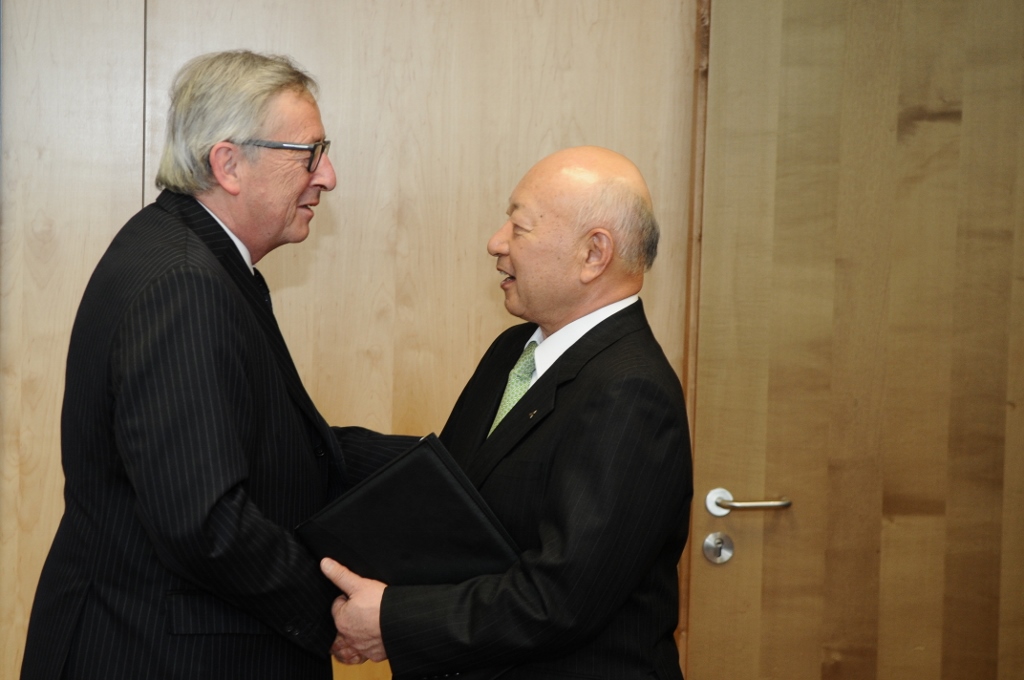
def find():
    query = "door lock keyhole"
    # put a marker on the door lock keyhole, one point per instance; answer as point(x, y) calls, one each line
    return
point(718, 548)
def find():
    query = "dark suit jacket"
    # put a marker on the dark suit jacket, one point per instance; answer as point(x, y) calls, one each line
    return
point(190, 449)
point(590, 472)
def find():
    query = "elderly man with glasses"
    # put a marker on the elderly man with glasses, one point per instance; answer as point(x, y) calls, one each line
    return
point(189, 444)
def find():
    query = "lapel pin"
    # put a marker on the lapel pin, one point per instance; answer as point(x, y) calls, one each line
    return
point(532, 414)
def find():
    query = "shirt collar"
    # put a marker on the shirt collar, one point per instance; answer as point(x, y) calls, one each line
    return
point(234, 239)
point(549, 349)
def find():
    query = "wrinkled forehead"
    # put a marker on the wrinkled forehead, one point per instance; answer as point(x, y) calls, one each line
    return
point(293, 112)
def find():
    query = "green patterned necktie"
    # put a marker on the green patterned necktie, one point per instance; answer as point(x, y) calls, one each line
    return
point(518, 383)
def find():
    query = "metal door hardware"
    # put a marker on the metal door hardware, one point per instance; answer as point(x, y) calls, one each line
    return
point(719, 502)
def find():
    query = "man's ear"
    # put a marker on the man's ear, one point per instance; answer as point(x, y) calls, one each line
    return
point(225, 161)
point(599, 250)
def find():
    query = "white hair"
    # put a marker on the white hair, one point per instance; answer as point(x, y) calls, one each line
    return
point(218, 97)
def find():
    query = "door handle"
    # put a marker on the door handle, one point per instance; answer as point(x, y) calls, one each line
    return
point(720, 503)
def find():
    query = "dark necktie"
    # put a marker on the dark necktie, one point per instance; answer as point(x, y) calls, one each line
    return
point(263, 288)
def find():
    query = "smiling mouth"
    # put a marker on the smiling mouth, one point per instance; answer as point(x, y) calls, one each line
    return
point(311, 204)
point(508, 278)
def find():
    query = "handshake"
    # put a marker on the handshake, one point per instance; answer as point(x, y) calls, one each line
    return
point(416, 520)
point(356, 615)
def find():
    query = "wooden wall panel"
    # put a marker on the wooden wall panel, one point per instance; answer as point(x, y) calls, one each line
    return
point(71, 172)
point(435, 109)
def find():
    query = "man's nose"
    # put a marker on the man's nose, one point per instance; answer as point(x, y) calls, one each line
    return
point(498, 245)
point(324, 175)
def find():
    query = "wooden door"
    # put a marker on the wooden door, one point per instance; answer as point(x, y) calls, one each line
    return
point(861, 341)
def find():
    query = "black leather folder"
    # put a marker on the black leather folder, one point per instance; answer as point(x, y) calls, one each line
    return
point(417, 520)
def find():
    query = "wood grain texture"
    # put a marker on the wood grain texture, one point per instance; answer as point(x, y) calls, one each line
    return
point(702, 38)
point(1011, 604)
point(860, 341)
point(72, 127)
point(986, 232)
point(435, 110)
point(731, 371)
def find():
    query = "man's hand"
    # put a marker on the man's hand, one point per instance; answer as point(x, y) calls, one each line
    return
point(356, 615)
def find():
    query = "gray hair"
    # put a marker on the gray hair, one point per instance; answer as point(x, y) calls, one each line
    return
point(628, 215)
point(219, 97)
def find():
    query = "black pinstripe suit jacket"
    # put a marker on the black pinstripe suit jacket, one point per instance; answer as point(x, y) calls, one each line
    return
point(591, 474)
point(190, 449)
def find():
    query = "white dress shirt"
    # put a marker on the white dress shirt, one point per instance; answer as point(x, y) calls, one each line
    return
point(550, 348)
point(238, 244)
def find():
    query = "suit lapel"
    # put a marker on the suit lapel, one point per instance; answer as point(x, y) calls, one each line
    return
point(199, 220)
point(540, 399)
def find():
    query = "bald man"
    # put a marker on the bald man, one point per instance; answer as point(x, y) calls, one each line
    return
point(589, 471)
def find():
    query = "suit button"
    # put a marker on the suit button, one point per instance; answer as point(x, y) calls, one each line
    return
point(319, 450)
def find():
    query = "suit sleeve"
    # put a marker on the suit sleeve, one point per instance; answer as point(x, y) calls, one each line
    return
point(185, 422)
point(366, 451)
point(619, 484)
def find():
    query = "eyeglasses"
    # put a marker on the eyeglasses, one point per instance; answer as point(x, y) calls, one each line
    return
point(316, 151)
